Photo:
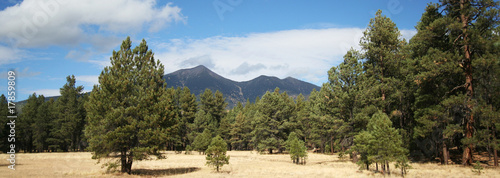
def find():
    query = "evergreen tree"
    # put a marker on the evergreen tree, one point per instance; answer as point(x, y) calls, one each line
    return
point(270, 131)
point(69, 123)
point(42, 124)
point(25, 123)
point(265, 133)
point(450, 44)
point(216, 153)
point(241, 132)
point(202, 141)
point(381, 43)
point(214, 105)
point(5, 129)
point(380, 143)
point(296, 148)
point(345, 93)
point(188, 108)
point(129, 112)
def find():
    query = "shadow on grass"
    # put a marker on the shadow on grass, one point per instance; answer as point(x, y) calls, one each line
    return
point(164, 172)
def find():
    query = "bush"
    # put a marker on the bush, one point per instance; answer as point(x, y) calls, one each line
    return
point(188, 150)
point(477, 168)
point(201, 141)
point(216, 153)
point(296, 148)
point(403, 163)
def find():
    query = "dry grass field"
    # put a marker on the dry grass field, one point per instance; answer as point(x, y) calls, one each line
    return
point(242, 164)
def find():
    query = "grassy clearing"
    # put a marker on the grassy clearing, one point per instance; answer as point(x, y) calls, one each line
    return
point(242, 164)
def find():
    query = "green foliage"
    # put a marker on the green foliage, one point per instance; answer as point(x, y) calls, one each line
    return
point(296, 148)
point(216, 153)
point(477, 168)
point(202, 141)
point(380, 142)
point(4, 129)
point(271, 121)
point(188, 150)
point(67, 127)
point(25, 123)
point(188, 109)
point(403, 163)
point(130, 112)
point(241, 131)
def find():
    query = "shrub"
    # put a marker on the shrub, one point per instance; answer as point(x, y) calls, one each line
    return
point(216, 153)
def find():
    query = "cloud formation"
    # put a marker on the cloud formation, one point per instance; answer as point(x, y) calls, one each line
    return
point(73, 23)
point(304, 53)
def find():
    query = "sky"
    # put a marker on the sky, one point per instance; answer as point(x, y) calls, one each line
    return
point(44, 41)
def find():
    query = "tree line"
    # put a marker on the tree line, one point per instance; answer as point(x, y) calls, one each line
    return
point(433, 96)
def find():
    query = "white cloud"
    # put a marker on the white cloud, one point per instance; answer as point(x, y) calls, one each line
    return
point(42, 23)
point(305, 53)
point(88, 80)
point(24, 73)
point(408, 34)
point(46, 92)
point(10, 55)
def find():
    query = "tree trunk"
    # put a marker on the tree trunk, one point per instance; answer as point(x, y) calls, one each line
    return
point(123, 159)
point(388, 169)
point(354, 157)
point(376, 166)
point(467, 64)
point(126, 162)
point(270, 151)
point(495, 156)
point(445, 153)
point(331, 145)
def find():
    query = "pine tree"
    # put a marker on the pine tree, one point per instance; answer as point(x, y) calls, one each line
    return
point(344, 93)
point(381, 43)
point(214, 105)
point(216, 153)
point(129, 113)
point(25, 123)
point(240, 132)
point(450, 44)
point(188, 108)
point(70, 119)
point(42, 124)
point(380, 143)
point(296, 148)
point(270, 131)
point(5, 129)
point(202, 141)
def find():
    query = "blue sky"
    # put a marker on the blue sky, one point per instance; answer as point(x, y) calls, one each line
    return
point(47, 40)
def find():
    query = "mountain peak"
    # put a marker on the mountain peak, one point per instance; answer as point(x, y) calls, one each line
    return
point(200, 67)
point(200, 77)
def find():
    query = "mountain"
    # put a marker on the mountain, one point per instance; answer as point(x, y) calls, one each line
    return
point(199, 78)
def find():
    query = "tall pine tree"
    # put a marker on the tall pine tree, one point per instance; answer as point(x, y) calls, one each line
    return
point(129, 112)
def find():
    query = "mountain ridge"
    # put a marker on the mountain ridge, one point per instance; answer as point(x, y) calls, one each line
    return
point(198, 78)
